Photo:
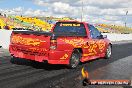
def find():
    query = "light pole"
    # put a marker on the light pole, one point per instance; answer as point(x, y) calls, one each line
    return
point(126, 18)
point(82, 12)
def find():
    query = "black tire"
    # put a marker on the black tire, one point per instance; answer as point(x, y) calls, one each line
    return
point(108, 52)
point(13, 60)
point(75, 59)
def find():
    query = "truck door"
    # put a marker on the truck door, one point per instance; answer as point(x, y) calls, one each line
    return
point(98, 40)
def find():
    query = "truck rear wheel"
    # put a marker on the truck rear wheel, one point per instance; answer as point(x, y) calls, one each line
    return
point(75, 59)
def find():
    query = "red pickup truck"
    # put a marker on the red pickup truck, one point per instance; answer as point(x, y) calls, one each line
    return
point(69, 42)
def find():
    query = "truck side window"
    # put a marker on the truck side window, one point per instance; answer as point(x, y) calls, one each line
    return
point(94, 33)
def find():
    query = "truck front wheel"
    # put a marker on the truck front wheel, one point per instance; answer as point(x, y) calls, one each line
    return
point(75, 59)
point(108, 52)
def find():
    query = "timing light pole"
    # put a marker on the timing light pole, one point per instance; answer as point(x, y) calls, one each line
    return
point(82, 12)
point(126, 18)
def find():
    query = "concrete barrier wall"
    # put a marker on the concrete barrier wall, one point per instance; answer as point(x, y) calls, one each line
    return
point(5, 37)
point(118, 37)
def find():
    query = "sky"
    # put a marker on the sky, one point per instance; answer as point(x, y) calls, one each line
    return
point(94, 11)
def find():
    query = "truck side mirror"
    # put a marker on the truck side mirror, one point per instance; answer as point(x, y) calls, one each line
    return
point(104, 36)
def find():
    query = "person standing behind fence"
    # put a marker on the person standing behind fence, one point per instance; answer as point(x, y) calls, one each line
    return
point(6, 27)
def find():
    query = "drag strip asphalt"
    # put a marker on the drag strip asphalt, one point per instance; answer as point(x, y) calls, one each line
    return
point(19, 73)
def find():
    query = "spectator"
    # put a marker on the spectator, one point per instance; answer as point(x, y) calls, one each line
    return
point(6, 27)
point(33, 27)
point(40, 29)
point(4, 15)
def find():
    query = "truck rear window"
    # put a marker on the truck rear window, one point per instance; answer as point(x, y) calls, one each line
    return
point(70, 27)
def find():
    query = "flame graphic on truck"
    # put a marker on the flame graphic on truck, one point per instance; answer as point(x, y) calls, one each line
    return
point(26, 41)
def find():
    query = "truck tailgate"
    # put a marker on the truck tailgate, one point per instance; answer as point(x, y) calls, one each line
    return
point(30, 42)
